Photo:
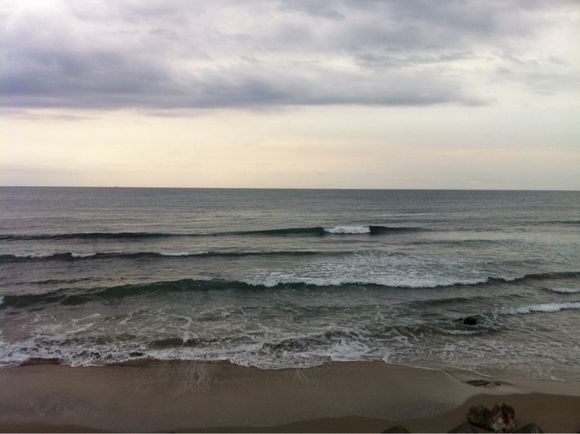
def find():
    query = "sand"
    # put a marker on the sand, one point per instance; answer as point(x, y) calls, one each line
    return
point(219, 396)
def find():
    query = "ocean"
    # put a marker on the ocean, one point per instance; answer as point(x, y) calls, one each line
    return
point(292, 278)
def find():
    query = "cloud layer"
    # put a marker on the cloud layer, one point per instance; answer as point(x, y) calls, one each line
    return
point(164, 55)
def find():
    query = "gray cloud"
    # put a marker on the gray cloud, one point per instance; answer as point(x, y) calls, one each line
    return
point(177, 54)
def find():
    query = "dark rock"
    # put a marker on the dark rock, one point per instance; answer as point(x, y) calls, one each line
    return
point(468, 320)
point(531, 427)
point(483, 383)
point(464, 427)
point(396, 428)
point(480, 416)
point(499, 419)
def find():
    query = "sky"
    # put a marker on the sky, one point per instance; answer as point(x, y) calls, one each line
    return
point(291, 94)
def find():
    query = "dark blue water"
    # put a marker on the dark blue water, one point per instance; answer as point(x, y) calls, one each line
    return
point(279, 278)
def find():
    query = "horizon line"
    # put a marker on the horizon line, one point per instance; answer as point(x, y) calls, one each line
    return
point(296, 188)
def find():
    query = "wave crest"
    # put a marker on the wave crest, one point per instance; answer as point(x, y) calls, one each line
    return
point(565, 290)
point(71, 256)
point(306, 231)
point(69, 296)
point(539, 308)
point(349, 230)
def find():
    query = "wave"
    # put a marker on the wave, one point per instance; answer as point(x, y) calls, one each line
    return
point(87, 235)
point(539, 308)
point(73, 296)
point(565, 290)
point(299, 349)
point(307, 231)
point(565, 222)
point(354, 230)
point(421, 303)
point(323, 231)
point(467, 242)
point(72, 256)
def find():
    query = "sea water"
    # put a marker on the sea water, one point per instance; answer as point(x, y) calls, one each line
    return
point(292, 278)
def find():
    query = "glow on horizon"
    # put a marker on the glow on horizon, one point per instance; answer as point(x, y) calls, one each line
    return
point(116, 94)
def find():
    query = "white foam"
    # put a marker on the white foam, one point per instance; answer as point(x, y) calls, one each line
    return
point(92, 316)
point(48, 255)
point(461, 332)
point(33, 255)
point(348, 230)
point(183, 253)
point(565, 290)
point(387, 282)
point(82, 255)
point(540, 308)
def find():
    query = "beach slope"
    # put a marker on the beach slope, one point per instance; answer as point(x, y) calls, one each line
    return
point(219, 396)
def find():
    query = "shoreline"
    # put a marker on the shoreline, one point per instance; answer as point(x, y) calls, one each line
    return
point(220, 396)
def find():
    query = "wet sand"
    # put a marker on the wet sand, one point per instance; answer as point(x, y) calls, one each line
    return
point(219, 396)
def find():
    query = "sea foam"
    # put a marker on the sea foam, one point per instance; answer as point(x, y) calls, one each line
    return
point(33, 255)
point(348, 230)
point(565, 290)
point(539, 308)
point(82, 255)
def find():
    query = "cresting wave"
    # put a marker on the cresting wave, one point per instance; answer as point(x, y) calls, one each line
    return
point(309, 231)
point(565, 222)
point(72, 296)
point(353, 230)
point(565, 290)
point(72, 256)
point(86, 235)
point(539, 308)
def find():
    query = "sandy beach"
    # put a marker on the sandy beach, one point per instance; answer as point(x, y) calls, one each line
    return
point(195, 396)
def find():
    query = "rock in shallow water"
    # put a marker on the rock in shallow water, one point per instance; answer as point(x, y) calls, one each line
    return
point(499, 419)
point(468, 320)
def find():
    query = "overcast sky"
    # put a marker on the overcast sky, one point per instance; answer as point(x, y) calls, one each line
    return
point(341, 94)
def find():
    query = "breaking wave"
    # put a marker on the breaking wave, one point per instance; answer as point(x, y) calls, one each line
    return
point(539, 308)
point(72, 256)
point(72, 296)
point(87, 235)
point(565, 290)
point(322, 231)
point(299, 349)
point(308, 231)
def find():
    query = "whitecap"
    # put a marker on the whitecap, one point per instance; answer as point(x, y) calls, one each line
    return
point(565, 290)
point(33, 255)
point(177, 254)
point(539, 308)
point(82, 255)
point(348, 230)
